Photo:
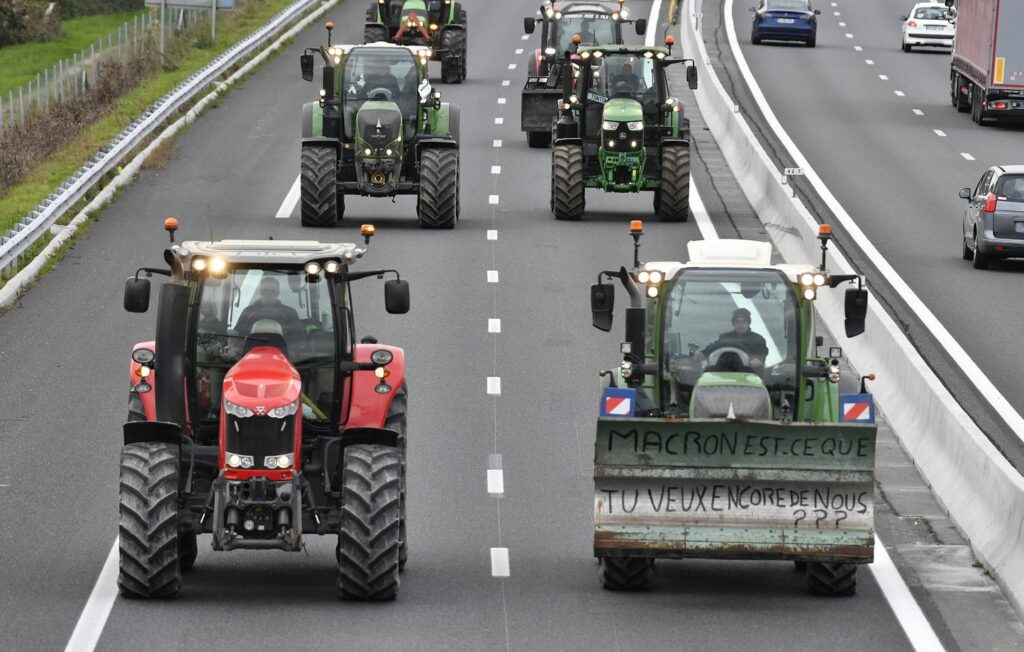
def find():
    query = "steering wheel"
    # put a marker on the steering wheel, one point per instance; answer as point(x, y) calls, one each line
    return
point(380, 90)
point(716, 353)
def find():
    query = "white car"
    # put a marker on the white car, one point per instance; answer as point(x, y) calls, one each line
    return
point(930, 24)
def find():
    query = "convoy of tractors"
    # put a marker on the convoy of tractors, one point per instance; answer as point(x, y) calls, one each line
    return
point(256, 416)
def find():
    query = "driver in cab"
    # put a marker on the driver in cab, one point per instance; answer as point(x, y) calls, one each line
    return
point(742, 338)
point(379, 78)
point(268, 306)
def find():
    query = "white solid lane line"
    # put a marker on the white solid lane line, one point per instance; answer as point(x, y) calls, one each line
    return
point(493, 325)
point(97, 609)
point(494, 385)
point(907, 612)
point(499, 562)
point(288, 205)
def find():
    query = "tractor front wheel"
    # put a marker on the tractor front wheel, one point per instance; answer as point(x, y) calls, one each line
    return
point(321, 203)
point(439, 188)
point(149, 562)
point(397, 421)
point(831, 578)
point(568, 194)
point(368, 541)
point(375, 34)
point(672, 201)
point(453, 69)
point(625, 573)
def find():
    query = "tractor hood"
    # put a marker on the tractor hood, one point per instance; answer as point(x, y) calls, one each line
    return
point(262, 380)
point(622, 109)
point(378, 125)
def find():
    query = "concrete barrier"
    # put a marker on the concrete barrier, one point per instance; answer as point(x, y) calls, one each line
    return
point(982, 492)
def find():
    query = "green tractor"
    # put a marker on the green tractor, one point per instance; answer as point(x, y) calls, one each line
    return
point(436, 24)
point(378, 130)
point(596, 24)
point(724, 433)
point(619, 130)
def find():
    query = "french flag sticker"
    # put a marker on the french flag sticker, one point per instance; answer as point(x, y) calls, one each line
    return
point(856, 408)
point(618, 402)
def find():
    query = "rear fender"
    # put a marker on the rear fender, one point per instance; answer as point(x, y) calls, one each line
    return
point(440, 119)
point(682, 142)
point(148, 398)
point(369, 409)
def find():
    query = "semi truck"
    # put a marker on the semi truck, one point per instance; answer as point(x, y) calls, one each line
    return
point(987, 69)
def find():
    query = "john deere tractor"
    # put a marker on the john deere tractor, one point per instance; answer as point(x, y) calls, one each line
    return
point(378, 130)
point(725, 432)
point(255, 415)
point(619, 130)
point(596, 23)
point(436, 24)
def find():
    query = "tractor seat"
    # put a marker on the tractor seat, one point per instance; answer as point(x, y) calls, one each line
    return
point(266, 332)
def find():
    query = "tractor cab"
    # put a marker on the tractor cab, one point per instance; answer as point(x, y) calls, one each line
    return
point(439, 25)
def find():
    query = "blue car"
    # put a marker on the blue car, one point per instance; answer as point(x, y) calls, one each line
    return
point(784, 20)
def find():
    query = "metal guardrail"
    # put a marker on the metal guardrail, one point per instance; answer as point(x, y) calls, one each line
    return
point(35, 225)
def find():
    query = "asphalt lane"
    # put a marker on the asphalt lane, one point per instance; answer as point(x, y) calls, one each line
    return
point(69, 341)
point(897, 171)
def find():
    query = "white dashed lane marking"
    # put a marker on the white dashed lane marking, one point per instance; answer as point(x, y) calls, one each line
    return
point(493, 200)
point(493, 325)
point(519, 50)
point(858, 48)
point(499, 121)
point(506, 82)
point(492, 234)
point(842, 24)
point(494, 385)
point(940, 133)
point(967, 156)
point(900, 93)
point(918, 112)
point(526, 37)
point(501, 100)
point(849, 35)
point(499, 562)
point(495, 482)
point(497, 143)
point(492, 276)
point(495, 169)
point(511, 66)
point(870, 62)
point(884, 77)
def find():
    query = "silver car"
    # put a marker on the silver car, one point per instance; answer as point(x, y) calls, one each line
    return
point(993, 225)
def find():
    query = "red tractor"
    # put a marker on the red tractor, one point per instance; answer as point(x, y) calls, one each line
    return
point(257, 417)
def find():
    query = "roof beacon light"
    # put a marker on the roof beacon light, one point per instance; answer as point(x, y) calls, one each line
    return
point(824, 234)
point(367, 231)
point(636, 229)
point(330, 28)
point(669, 42)
point(171, 225)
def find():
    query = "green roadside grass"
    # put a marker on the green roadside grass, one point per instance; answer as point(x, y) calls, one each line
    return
point(25, 196)
point(19, 64)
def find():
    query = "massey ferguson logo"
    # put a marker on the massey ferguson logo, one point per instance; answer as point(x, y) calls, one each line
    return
point(261, 410)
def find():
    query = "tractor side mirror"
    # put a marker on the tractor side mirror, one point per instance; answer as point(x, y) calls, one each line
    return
point(641, 26)
point(691, 77)
point(396, 297)
point(136, 294)
point(965, 193)
point(602, 303)
point(306, 62)
point(856, 311)
point(949, 3)
point(529, 25)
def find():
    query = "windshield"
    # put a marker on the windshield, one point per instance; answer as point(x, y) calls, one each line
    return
point(622, 75)
point(788, 5)
point(380, 74)
point(594, 29)
point(730, 320)
point(270, 307)
point(930, 13)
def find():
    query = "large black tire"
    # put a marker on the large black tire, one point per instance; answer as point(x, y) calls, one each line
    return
point(453, 41)
point(568, 194)
point(831, 578)
point(538, 139)
point(374, 34)
point(438, 206)
point(149, 562)
point(397, 421)
point(321, 205)
point(368, 540)
point(463, 19)
point(673, 200)
point(966, 252)
point(962, 103)
point(188, 550)
point(625, 573)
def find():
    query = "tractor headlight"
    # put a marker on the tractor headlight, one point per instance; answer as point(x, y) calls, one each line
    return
point(660, 55)
point(381, 357)
point(635, 126)
point(284, 410)
point(549, 13)
point(624, 13)
point(368, 151)
point(218, 266)
point(819, 280)
point(809, 294)
point(199, 264)
point(278, 461)
point(332, 267)
point(550, 52)
point(389, 151)
point(643, 276)
point(633, 144)
point(652, 291)
point(323, 93)
point(807, 279)
point(608, 125)
point(236, 461)
point(648, 54)
point(312, 268)
point(656, 277)
point(239, 411)
point(611, 144)
point(337, 60)
point(833, 372)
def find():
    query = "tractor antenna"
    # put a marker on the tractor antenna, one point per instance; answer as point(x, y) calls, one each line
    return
point(330, 28)
point(636, 229)
point(209, 221)
point(824, 234)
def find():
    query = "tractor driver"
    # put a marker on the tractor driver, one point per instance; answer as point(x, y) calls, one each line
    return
point(626, 81)
point(378, 76)
point(268, 306)
point(740, 337)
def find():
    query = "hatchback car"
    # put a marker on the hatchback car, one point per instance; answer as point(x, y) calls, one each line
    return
point(929, 24)
point(993, 224)
point(784, 20)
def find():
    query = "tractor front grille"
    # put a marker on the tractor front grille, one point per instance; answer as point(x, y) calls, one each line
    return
point(260, 437)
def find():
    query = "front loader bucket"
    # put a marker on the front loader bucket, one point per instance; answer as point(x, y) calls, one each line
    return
point(734, 490)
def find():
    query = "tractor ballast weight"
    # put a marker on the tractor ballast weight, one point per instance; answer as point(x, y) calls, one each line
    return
point(378, 130)
point(257, 417)
point(545, 65)
point(734, 445)
point(619, 130)
point(440, 25)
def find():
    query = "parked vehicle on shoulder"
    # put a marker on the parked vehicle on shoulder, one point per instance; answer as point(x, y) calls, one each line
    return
point(929, 24)
point(993, 224)
point(784, 20)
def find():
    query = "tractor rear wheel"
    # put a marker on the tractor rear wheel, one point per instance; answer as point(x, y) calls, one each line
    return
point(321, 203)
point(149, 563)
point(538, 139)
point(397, 421)
point(568, 194)
point(439, 188)
point(831, 578)
point(368, 540)
point(625, 573)
point(673, 200)
point(453, 41)
point(374, 34)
